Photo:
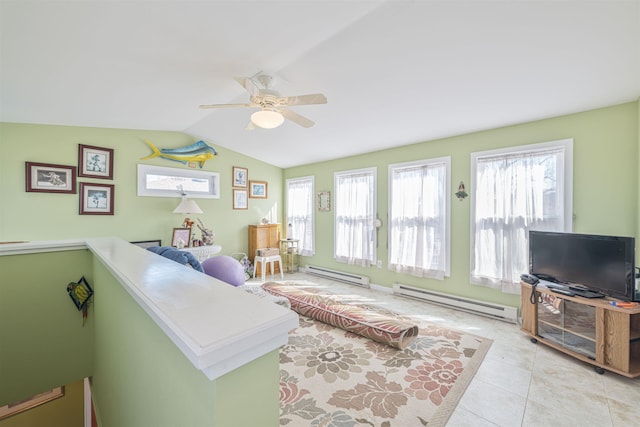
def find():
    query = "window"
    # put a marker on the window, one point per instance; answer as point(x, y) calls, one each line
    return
point(514, 191)
point(157, 181)
point(300, 213)
point(419, 218)
point(355, 215)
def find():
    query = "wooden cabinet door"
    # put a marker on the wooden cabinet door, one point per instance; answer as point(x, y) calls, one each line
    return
point(263, 236)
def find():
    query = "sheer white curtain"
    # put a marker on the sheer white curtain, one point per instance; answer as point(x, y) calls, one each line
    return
point(300, 213)
point(418, 219)
point(514, 193)
point(355, 233)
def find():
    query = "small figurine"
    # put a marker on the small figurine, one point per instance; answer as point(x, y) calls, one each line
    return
point(461, 194)
point(188, 223)
point(208, 236)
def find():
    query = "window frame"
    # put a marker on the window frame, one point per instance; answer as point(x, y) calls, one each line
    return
point(310, 178)
point(213, 179)
point(447, 191)
point(567, 174)
point(374, 201)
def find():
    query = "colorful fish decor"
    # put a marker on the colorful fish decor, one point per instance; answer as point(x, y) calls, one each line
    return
point(80, 293)
point(199, 152)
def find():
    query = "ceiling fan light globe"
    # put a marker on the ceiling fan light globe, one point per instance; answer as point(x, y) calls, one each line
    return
point(267, 119)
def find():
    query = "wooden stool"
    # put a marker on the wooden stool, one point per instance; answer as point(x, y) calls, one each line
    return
point(263, 260)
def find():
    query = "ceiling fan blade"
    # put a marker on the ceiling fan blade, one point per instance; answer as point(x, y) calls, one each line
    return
point(249, 85)
point(297, 118)
point(316, 98)
point(208, 106)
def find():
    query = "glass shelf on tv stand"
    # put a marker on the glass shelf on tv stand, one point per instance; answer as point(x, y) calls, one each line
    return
point(569, 324)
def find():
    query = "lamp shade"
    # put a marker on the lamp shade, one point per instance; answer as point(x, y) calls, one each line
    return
point(267, 119)
point(187, 206)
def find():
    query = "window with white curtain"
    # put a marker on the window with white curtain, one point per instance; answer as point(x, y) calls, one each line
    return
point(514, 191)
point(355, 215)
point(419, 218)
point(300, 213)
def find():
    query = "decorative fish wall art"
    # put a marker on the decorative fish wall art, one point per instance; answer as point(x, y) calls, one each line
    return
point(199, 152)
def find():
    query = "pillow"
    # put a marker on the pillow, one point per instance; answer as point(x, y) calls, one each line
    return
point(181, 257)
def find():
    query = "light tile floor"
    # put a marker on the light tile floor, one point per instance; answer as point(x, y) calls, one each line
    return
point(519, 383)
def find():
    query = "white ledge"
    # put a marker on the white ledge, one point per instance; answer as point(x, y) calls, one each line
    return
point(216, 326)
point(17, 248)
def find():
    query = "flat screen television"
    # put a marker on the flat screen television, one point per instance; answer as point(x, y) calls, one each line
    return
point(604, 264)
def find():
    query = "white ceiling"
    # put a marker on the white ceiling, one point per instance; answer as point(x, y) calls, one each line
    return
point(394, 72)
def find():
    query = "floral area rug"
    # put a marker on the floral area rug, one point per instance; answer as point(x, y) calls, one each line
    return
point(331, 377)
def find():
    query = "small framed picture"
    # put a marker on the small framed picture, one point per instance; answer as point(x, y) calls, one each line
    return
point(95, 162)
point(181, 237)
point(240, 199)
point(31, 402)
point(324, 201)
point(80, 293)
point(147, 243)
point(47, 178)
point(258, 189)
point(96, 199)
point(240, 177)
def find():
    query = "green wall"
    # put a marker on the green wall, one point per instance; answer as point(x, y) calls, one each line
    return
point(43, 343)
point(65, 411)
point(605, 201)
point(606, 160)
point(142, 379)
point(46, 216)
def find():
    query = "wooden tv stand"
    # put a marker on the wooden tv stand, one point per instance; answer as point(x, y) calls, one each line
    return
point(591, 330)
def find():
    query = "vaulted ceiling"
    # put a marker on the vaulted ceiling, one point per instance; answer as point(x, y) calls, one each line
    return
point(394, 72)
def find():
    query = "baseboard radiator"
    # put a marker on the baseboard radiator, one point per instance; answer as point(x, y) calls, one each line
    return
point(495, 311)
point(352, 279)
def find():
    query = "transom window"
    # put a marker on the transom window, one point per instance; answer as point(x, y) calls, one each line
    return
point(158, 181)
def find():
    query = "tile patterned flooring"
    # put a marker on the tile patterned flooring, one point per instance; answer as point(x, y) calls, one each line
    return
point(519, 383)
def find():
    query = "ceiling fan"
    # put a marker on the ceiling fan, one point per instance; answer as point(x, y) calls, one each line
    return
point(272, 106)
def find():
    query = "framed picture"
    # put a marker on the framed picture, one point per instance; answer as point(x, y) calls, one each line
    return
point(324, 201)
point(258, 189)
point(30, 402)
point(240, 199)
point(240, 177)
point(95, 162)
point(96, 199)
point(47, 178)
point(181, 237)
point(147, 243)
point(80, 293)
